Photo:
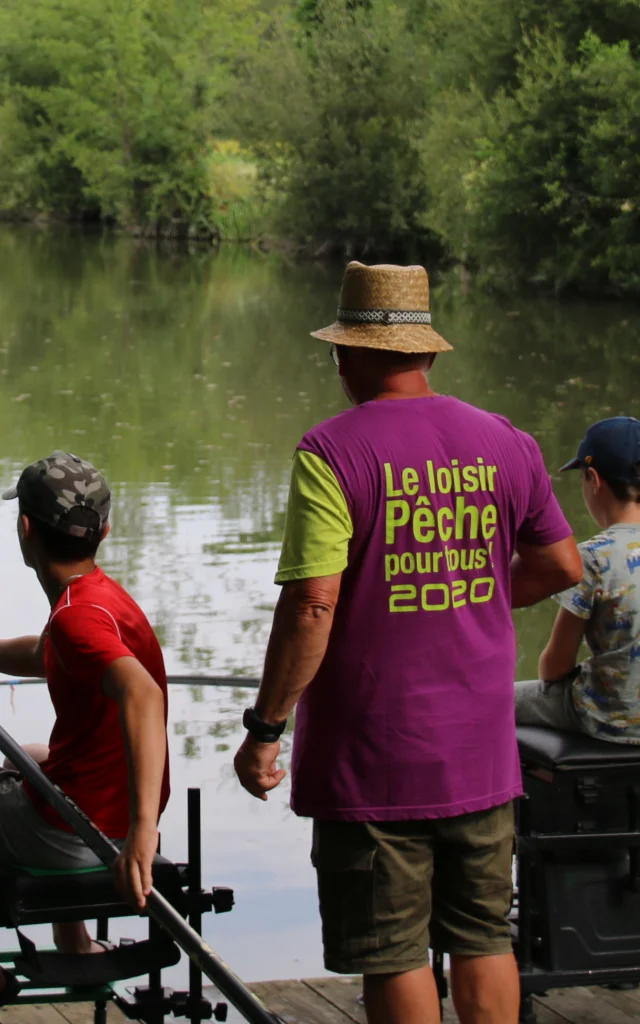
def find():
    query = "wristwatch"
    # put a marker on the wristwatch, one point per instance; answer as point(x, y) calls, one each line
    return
point(264, 732)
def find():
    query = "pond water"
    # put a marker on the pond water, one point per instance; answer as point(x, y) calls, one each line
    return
point(189, 377)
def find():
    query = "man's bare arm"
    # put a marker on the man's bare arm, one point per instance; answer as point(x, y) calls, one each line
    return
point(538, 571)
point(560, 655)
point(141, 705)
point(298, 642)
point(22, 656)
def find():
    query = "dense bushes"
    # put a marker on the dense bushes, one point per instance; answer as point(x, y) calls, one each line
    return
point(546, 171)
point(335, 108)
point(107, 108)
point(504, 130)
point(500, 133)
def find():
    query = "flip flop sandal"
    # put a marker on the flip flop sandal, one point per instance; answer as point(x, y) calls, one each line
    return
point(11, 988)
point(106, 945)
point(108, 948)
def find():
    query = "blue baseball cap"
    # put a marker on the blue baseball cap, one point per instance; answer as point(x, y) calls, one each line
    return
point(612, 447)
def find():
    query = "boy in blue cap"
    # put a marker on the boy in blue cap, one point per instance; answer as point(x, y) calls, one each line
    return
point(601, 695)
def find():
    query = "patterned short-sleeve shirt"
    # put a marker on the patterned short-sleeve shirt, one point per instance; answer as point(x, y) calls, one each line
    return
point(607, 690)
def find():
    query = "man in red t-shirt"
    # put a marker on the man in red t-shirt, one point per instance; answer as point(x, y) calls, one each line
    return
point(106, 677)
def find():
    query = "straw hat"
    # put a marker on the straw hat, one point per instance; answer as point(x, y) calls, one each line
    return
point(384, 307)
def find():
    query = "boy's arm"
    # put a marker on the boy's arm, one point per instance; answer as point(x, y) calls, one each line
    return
point(142, 718)
point(560, 655)
point(22, 656)
point(577, 606)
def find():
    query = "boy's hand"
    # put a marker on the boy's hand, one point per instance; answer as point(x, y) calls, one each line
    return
point(132, 869)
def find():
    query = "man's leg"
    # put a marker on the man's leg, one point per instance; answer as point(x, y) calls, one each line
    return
point(407, 998)
point(472, 899)
point(374, 884)
point(486, 989)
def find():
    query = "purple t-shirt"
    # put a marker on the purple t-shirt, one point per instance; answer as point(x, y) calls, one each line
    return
point(411, 714)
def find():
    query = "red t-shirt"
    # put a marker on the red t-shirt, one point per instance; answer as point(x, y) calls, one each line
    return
point(94, 622)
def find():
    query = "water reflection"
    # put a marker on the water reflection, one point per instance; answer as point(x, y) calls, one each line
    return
point(189, 379)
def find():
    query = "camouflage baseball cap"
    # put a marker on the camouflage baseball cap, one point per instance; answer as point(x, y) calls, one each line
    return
point(50, 489)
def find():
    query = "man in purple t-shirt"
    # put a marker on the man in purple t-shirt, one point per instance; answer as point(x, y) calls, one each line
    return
point(415, 524)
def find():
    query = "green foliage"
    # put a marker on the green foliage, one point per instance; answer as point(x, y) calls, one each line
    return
point(611, 20)
point(335, 114)
point(470, 42)
point(233, 186)
point(537, 176)
point(500, 133)
point(109, 107)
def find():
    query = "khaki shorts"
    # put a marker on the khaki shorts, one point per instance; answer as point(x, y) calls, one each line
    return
point(384, 886)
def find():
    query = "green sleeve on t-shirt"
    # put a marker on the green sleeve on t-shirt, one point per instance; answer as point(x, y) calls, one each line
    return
point(318, 526)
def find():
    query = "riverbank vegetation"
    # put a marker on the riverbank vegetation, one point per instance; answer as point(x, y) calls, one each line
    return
point(503, 135)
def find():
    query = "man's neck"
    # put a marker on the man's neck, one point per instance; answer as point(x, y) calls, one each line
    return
point(55, 577)
point(412, 384)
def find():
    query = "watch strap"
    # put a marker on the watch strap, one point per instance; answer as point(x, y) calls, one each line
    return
point(262, 731)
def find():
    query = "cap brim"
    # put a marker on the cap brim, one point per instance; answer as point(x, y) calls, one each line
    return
point(574, 464)
point(11, 493)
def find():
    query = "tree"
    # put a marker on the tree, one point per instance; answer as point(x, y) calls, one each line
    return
point(335, 114)
point(116, 101)
point(535, 179)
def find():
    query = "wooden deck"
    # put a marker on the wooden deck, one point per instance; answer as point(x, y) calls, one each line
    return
point(58, 1013)
point(333, 1001)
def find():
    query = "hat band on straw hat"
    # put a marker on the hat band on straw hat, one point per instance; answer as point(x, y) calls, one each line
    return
point(384, 316)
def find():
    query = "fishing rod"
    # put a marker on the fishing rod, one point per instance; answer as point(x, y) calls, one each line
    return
point(158, 907)
point(239, 681)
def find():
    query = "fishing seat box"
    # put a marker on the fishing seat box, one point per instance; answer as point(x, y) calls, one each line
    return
point(37, 899)
point(578, 855)
point(576, 784)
